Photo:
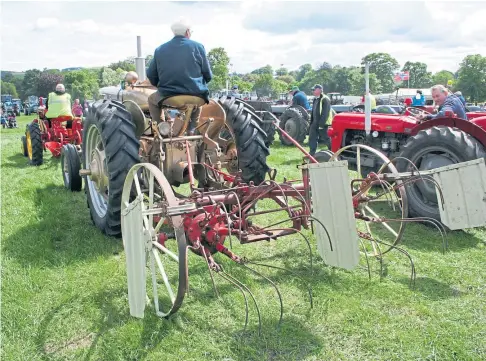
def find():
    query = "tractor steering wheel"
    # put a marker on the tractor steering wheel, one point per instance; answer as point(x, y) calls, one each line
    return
point(416, 111)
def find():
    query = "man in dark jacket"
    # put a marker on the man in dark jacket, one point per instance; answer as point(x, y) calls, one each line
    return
point(321, 118)
point(179, 67)
point(299, 98)
point(446, 102)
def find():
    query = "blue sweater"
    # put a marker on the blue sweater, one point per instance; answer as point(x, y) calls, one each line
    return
point(179, 67)
point(300, 98)
point(418, 102)
point(452, 103)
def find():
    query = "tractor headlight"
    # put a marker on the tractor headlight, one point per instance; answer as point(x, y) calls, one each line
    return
point(375, 134)
point(164, 129)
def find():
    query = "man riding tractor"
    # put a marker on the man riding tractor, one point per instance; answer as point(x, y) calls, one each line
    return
point(181, 72)
point(299, 98)
point(447, 102)
point(58, 104)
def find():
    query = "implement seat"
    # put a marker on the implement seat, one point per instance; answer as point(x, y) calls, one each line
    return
point(186, 104)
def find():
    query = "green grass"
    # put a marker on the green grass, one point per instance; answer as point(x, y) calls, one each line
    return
point(64, 291)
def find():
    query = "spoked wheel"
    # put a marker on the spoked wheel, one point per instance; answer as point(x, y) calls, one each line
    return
point(146, 223)
point(382, 206)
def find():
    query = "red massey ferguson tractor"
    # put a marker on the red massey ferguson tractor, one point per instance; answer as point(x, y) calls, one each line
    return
point(415, 145)
point(61, 136)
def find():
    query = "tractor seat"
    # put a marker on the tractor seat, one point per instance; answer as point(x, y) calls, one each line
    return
point(63, 118)
point(182, 102)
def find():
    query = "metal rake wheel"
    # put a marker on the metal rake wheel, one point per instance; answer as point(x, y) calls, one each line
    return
point(382, 207)
point(162, 235)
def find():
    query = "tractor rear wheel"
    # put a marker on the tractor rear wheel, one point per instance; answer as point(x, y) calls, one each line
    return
point(24, 146)
point(433, 148)
point(294, 121)
point(70, 166)
point(251, 148)
point(35, 149)
point(269, 127)
point(110, 150)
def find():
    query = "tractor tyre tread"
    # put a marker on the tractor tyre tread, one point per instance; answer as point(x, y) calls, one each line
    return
point(75, 183)
point(463, 145)
point(302, 125)
point(121, 147)
point(36, 142)
point(250, 139)
point(24, 146)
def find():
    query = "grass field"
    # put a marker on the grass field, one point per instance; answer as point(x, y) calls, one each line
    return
point(64, 290)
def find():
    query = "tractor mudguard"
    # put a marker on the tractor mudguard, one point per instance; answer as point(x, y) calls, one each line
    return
point(466, 126)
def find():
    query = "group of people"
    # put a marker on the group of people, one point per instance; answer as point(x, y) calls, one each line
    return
point(181, 67)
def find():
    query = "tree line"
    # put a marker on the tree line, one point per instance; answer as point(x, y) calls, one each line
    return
point(470, 79)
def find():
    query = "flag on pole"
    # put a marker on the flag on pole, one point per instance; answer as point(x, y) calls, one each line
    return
point(401, 76)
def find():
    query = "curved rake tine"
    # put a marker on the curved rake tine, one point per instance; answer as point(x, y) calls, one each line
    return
point(239, 208)
point(305, 239)
point(209, 269)
point(366, 257)
point(253, 298)
point(296, 217)
point(274, 286)
point(223, 275)
point(434, 222)
point(401, 250)
point(380, 258)
point(440, 228)
point(309, 288)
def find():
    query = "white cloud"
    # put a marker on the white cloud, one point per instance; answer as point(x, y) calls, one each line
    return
point(46, 23)
point(254, 33)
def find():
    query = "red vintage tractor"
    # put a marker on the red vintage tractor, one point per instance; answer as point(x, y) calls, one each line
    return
point(61, 136)
point(416, 146)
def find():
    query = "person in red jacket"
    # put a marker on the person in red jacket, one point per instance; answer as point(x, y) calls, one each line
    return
point(408, 102)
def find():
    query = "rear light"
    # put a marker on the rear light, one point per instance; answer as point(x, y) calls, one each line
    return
point(330, 132)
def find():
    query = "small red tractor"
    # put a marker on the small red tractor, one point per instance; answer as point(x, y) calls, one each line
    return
point(427, 145)
point(62, 136)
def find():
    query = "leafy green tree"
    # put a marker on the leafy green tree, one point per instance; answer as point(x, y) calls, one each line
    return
point(357, 82)
point(219, 62)
point(128, 64)
point(281, 71)
point(443, 77)
point(303, 70)
point(82, 84)
point(419, 76)
point(30, 83)
point(288, 79)
point(7, 77)
point(110, 77)
point(471, 80)
point(8, 88)
point(383, 65)
point(47, 83)
point(267, 69)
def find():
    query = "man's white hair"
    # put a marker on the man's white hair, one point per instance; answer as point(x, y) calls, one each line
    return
point(180, 27)
point(440, 88)
point(60, 88)
point(458, 93)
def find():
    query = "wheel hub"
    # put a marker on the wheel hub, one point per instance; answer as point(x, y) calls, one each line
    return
point(290, 127)
point(98, 170)
point(29, 145)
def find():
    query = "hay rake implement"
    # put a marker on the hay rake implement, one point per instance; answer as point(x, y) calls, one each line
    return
point(350, 217)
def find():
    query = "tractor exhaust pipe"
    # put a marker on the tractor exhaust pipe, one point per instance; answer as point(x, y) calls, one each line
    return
point(140, 61)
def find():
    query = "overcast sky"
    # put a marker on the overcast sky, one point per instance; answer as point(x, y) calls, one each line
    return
point(254, 33)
